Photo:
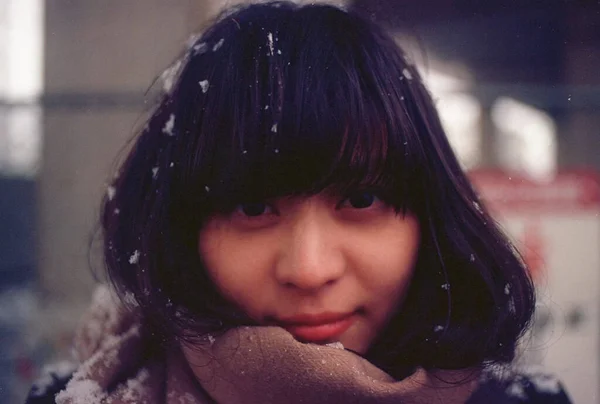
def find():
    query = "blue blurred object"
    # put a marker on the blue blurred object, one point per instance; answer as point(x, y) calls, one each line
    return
point(18, 302)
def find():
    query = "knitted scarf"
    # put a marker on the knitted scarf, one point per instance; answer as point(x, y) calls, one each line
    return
point(243, 365)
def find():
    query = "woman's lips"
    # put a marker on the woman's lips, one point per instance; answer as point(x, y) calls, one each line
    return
point(318, 328)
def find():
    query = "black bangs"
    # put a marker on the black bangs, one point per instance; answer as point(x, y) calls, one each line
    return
point(271, 116)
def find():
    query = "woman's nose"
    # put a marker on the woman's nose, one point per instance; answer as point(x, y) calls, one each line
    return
point(310, 256)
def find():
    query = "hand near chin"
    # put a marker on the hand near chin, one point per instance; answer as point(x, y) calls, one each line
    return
point(267, 365)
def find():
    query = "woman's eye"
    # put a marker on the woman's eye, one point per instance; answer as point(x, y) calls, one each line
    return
point(361, 200)
point(254, 209)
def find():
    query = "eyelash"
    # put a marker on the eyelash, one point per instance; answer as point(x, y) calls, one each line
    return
point(375, 198)
point(340, 205)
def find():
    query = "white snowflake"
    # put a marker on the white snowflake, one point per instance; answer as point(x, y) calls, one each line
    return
point(110, 192)
point(60, 370)
point(511, 306)
point(155, 172)
point(169, 126)
point(211, 339)
point(82, 391)
point(516, 390)
point(200, 48)
point(507, 289)
point(543, 382)
point(270, 43)
point(274, 128)
point(406, 73)
point(135, 257)
point(129, 299)
point(204, 85)
point(546, 384)
point(218, 44)
point(169, 75)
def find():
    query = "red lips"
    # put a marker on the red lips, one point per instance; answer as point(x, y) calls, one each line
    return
point(323, 327)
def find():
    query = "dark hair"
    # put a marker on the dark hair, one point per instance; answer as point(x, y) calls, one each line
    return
point(278, 99)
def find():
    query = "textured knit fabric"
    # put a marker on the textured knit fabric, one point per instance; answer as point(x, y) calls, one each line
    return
point(255, 365)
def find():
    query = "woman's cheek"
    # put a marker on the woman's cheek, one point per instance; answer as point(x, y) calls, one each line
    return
point(235, 263)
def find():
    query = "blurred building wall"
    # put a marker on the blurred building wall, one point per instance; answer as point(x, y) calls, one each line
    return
point(100, 57)
point(580, 140)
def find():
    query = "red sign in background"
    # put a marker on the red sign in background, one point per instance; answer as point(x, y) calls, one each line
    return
point(568, 190)
point(516, 194)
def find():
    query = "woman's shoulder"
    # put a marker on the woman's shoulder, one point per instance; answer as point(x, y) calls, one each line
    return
point(532, 385)
point(52, 380)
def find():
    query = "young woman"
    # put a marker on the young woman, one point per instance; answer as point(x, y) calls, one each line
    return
point(292, 226)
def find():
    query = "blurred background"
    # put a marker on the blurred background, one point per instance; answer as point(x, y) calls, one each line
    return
point(517, 85)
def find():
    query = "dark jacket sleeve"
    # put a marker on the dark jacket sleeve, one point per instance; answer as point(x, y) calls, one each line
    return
point(521, 389)
point(45, 389)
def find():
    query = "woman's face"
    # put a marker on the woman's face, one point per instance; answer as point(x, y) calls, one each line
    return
point(324, 267)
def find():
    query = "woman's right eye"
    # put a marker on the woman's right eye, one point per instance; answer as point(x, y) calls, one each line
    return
point(255, 209)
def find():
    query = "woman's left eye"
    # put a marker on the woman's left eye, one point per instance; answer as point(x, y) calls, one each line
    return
point(360, 200)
